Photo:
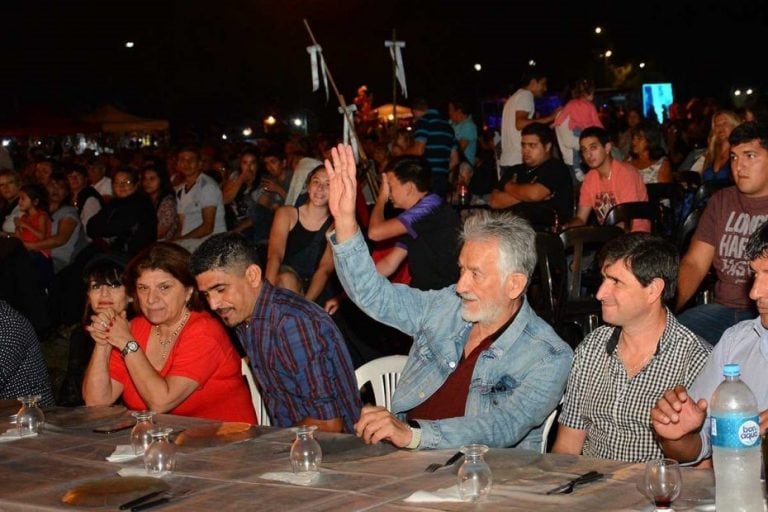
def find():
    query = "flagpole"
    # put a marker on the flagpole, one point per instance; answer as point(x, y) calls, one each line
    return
point(394, 89)
point(370, 178)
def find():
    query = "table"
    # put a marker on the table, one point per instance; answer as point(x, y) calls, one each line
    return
point(36, 472)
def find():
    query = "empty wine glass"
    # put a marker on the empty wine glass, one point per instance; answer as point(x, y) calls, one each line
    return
point(474, 478)
point(141, 434)
point(662, 482)
point(306, 454)
point(160, 456)
point(29, 419)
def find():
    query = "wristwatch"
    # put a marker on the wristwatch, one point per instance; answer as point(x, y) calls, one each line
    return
point(131, 346)
point(415, 434)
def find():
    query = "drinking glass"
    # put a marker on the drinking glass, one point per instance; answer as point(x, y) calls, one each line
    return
point(141, 436)
point(29, 419)
point(306, 454)
point(474, 478)
point(662, 482)
point(160, 456)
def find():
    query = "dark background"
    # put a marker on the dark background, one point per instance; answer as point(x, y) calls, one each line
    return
point(233, 61)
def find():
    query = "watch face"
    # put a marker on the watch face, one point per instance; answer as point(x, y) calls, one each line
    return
point(133, 346)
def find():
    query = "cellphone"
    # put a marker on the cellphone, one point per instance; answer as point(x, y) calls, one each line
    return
point(115, 427)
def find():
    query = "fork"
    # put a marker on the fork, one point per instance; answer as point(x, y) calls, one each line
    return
point(436, 465)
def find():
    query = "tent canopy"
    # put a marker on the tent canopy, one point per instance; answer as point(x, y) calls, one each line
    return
point(40, 122)
point(113, 120)
point(384, 111)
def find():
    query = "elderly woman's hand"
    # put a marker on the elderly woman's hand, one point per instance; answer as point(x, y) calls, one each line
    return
point(110, 328)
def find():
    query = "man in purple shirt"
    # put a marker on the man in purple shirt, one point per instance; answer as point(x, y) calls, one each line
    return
point(297, 353)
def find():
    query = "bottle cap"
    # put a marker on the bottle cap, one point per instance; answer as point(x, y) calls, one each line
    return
point(731, 370)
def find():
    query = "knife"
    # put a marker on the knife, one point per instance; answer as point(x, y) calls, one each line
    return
point(150, 504)
point(140, 499)
point(583, 479)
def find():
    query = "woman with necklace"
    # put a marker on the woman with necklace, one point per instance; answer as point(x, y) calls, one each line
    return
point(173, 357)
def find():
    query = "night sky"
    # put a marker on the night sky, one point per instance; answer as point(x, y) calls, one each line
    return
point(232, 61)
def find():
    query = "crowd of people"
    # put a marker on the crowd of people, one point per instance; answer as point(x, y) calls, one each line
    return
point(170, 269)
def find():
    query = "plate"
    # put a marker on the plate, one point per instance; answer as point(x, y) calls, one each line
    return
point(113, 491)
point(209, 435)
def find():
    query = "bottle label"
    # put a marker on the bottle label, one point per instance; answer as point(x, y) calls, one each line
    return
point(735, 431)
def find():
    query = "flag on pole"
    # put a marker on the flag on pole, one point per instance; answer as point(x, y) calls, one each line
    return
point(316, 59)
point(397, 56)
point(349, 138)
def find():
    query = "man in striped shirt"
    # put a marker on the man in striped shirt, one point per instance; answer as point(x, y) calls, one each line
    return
point(436, 142)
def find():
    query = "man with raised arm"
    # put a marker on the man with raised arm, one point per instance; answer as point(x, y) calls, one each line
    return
point(680, 416)
point(484, 368)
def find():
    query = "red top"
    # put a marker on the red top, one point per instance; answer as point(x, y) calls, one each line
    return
point(203, 353)
point(450, 399)
point(36, 220)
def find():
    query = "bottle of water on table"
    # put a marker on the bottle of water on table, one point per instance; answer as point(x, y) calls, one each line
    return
point(736, 445)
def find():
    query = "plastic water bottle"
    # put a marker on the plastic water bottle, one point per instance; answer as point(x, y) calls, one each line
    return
point(736, 445)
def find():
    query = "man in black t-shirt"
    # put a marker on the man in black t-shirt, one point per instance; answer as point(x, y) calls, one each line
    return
point(539, 179)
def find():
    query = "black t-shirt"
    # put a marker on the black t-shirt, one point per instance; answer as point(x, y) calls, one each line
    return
point(555, 176)
point(432, 243)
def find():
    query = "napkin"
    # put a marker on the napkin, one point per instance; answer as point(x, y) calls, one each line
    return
point(12, 434)
point(441, 495)
point(122, 453)
point(141, 471)
point(305, 478)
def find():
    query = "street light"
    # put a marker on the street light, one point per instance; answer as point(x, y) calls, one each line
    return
point(129, 44)
point(270, 120)
point(737, 92)
point(598, 30)
point(478, 67)
point(297, 122)
point(749, 91)
point(532, 63)
point(641, 65)
point(247, 131)
point(608, 53)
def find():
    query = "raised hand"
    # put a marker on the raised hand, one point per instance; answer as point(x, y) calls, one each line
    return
point(342, 190)
point(676, 414)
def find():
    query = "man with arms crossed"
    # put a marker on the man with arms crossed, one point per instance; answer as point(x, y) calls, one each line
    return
point(484, 368)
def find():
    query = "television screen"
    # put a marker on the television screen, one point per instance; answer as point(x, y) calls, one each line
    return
point(656, 100)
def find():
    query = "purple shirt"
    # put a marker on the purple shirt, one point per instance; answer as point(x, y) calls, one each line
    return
point(300, 360)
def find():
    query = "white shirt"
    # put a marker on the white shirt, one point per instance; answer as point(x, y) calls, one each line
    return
point(203, 194)
point(104, 187)
point(511, 138)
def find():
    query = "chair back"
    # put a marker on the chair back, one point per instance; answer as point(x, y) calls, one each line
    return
point(705, 191)
point(547, 426)
point(627, 212)
point(684, 232)
point(578, 240)
point(383, 374)
point(258, 404)
point(549, 284)
point(539, 216)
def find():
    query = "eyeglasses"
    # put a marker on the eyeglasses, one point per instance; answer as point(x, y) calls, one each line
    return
point(123, 182)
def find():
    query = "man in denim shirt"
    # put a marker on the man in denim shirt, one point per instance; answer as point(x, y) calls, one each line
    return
point(484, 368)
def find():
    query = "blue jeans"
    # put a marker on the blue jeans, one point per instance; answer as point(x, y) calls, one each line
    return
point(711, 320)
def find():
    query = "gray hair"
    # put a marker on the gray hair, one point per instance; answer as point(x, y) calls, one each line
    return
point(516, 237)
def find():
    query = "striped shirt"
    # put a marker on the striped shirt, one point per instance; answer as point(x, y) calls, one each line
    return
point(615, 410)
point(300, 360)
point(439, 139)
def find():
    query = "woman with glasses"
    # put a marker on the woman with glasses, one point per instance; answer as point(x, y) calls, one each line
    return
point(128, 223)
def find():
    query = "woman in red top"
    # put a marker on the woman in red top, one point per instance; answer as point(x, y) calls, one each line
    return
point(174, 357)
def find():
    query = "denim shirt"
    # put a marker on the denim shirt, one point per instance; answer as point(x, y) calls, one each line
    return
point(516, 382)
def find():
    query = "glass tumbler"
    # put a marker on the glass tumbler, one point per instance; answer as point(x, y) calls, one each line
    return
point(141, 435)
point(306, 454)
point(160, 456)
point(474, 477)
point(30, 418)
